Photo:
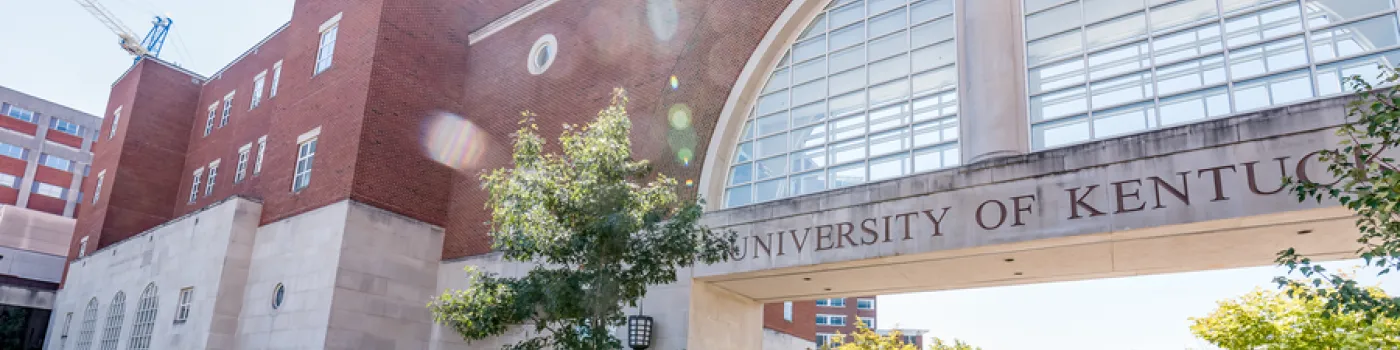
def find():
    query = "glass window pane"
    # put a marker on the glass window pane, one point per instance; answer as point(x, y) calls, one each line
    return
point(890, 68)
point(845, 82)
point(1055, 20)
point(744, 152)
point(1187, 43)
point(1190, 75)
point(890, 167)
point(848, 175)
point(929, 9)
point(934, 56)
point(811, 48)
point(878, 6)
point(933, 32)
point(847, 104)
point(809, 92)
point(1232, 6)
point(1115, 31)
point(1267, 58)
point(887, 23)
point(935, 132)
point(1181, 12)
point(935, 80)
point(1355, 38)
point(809, 114)
point(934, 158)
point(741, 174)
point(818, 26)
point(772, 123)
point(889, 46)
point(847, 36)
point(889, 117)
point(1119, 60)
point(738, 196)
point(848, 151)
point(1059, 133)
point(809, 70)
point(848, 58)
point(1263, 25)
point(809, 159)
point(1058, 104)
point(1273, 90)
point(1048, 49)
point(1329, 77)
point(808, 183)
point(1124, 120)
point(897, 90)
point(747, 133)
point(847, 14)
point(771, 167)
point(1055, 76)
point(767, 191)
point(1194, 106)
point(1324, 12)
point(772, 145)
point(810, 136)
point(1037, 5)
point(848, 127)
point(889, 142)
point(772, 103)
point(1116, 91)
point(937, 105)
point(1098, 10)
point(777, 81)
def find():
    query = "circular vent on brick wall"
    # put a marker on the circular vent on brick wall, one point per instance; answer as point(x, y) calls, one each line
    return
point(543, 53)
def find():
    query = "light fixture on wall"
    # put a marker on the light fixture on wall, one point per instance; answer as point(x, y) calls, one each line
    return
point(639, 331)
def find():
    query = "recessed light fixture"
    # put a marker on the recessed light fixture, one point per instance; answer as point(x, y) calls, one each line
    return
point(1010, 259)
point(1304, 232)
point(826, 289)
point(806, 278)
point(1018, 273)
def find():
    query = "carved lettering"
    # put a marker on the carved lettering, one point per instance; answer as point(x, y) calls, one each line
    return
point(1302, 169)
point(796, 243)
point(887, 228)
point(869, 231)
point(740, 252)
point(938, 221)
point(1219, 186)
point(822, 237)
point(1254, 180)
point(1077, 201)
point(905, 216)
point(1001, 214)
point(844, 231)
point(760, 243)
point(1016, 202)
point(1184, 194)
point(1124, 195)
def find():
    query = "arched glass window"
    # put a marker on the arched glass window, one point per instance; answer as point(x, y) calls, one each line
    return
point(867, 92)
point(111, 332)
point(145, 320)
point(89, 326)
point(1104, 68)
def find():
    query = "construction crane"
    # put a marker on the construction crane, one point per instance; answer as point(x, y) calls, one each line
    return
point(150, 45)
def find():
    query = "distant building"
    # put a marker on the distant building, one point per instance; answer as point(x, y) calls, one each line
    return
point(45, 151)
point(33, 245)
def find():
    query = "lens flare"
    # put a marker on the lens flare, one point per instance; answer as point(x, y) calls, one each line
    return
point(663, 18)
point(675, 83)
point(679, 116)
point(454, 141)
point(684, 156)
point(689, 183)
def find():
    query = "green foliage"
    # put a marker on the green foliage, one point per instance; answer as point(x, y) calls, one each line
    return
point(866, 339)
point(598, 235)
point(1275, 320)
point(939, 344)
point(1369, 185)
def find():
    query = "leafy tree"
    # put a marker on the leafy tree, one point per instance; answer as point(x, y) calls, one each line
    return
point(1368, 183)
point(866, 339)
point(1267, 319)
point(598, 235)
point(938, 344)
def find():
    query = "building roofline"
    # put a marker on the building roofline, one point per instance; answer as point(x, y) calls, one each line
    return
point(60, 105)
point(163, 63)
point(250, 50)
point(508, 19)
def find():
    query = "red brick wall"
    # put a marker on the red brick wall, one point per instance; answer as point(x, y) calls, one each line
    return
point(12, 166)
point(803, 324)
point(852, 316)
point(9, 195)
point(21, 126)
point(64, 139)
point(53, 176)
point(46, 204)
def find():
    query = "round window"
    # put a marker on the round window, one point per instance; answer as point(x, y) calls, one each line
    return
point(543, 53)
point(278, 294)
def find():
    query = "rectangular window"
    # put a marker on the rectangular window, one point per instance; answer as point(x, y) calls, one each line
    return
point(306, 152)
point(182, 310)
point(48, 190)
point(325, 52)
point(8, 180)
point(194, 185)
point(209, 122)
point(827, 339)
point(911, 339)
point(97, 190)
point(65, 126)
point(865, 304)
point(787, 311)
point(116, 120)
point(12, 151)
point(276, 77)
point(241, 170)
point(868, 321)
point(55, 162)
point(17, 112)
point(228, 108)
point(213, 173)
point(833, 302)
point(82, 247)
point(262, 148)
point(257, 90)
point(831, 320)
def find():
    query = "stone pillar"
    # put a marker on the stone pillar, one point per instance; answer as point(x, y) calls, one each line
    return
point(992, 92)
point(720, 319)
point(26, 185)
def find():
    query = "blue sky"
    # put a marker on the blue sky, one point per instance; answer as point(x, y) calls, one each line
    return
point(57, 51)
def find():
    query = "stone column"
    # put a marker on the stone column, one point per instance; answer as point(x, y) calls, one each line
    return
point(992, 92)
point(720, 319)
point(32, 160)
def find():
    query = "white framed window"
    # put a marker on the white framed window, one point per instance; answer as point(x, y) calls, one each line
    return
point(12, 151)
point(832, 302)
point(55, 162)
point(262, 148)
point(63, 332)
point(228, 108)
point(542, 54)
point(911, 339)
point(65, 126)
point(825, 339)
point(89, 326)
point(241, 170)
point(97, 190)
point(182, 310)
point(18, 113)
point(8, 180)
point(257, 90)
point(865, 304)
point(276, 78)
point(116, 120)
point(82, 247)
point(306, 153)
point(49, 190)
point(325, 52)
point(831, 320)
point(213, 173)
point(868, 321)
point(111, 332)
point(194, 186)
point(787, 311)
point(145, 320)
point(209, 122)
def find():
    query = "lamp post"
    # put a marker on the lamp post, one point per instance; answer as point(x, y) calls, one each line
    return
point(639, 331)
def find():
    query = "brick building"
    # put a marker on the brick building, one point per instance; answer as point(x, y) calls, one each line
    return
point(45, 152)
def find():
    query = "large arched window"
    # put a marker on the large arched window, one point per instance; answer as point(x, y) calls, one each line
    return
point(111, 332)
point(1103, 68)
point(145, 320)
point(867, 92)
point(88, 327)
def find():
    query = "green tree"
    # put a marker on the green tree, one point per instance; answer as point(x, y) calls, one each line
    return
point(865, 339)
point(939, 344)
point(1368, 183)
point(598, 235)
point(1268, 319)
